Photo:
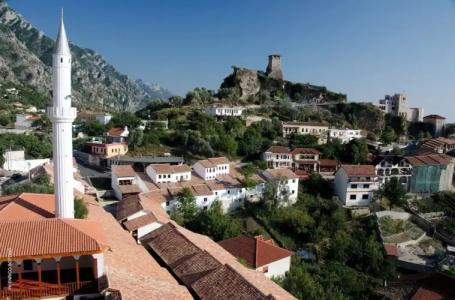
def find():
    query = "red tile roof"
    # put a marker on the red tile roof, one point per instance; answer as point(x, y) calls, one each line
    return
point(219, 160)
point(255, 250)
point(116, 131)
point(123, 171)
point(278, 149)
point(279, 174)
point(391, 249)
point(328, 162)
point(436, 117)
point(359, 170)
point(169, 169)
point(431, 159)
point(139, 222)
point(129, 189)
point(50, 238)
point(27, 206)
point(305, 151)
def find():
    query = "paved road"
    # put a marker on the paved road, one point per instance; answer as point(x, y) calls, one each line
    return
point(89, 172)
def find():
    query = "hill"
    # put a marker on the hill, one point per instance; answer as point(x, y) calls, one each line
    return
point(26, 58)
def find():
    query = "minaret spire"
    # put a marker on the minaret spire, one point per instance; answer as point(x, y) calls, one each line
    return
point(62, 115)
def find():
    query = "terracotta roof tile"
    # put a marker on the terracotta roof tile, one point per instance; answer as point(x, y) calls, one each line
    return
point(129, 267)
point(255, 250)
point(279, 174)
point(328, 162)
point(391, 249)
point(305, 151)
point(27, 206)
point(169, 169)
point(196, 267)
point(206, 163)
point(139, 222)
point(128, 206)
point(359, 170)
point(219, 160)
point(437, 117)
point(116, 131)
point(431, 159)
point(278, 149)
point(123, 171)
point(226, 283)
point(129, 189)
point(50, 238)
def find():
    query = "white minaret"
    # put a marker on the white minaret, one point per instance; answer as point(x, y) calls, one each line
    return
point(62, 116)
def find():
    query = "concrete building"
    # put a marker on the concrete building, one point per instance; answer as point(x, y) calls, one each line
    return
point(106, 150)
point(235, 111)
point(439, 145)
point(345, 135)
point(166, 173)
point(124, 181)
point(390, 166)
point(117, 135)
point(274, 67)
point(278, 157)
point(260, 254)
point(25, 120)
point(210, 168)
point(305, 159)
point(437, 123)
point(103, 118)
point(397, 105)
point(355, 184)
point(319, 130)
point(14, 161)
point(431, 173)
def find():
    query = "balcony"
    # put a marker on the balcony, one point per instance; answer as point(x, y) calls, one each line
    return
point(25, 288)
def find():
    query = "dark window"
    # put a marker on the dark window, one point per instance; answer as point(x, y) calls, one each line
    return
point(365, 196)
point(61, 59)
point(353, 186)
point(28, 265)
point(167, 203)
point(205, 199)
point(353, 197)
point(366, 186)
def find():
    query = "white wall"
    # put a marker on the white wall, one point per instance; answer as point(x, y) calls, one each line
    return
point(141, 231)
point(341, 181)
point(277, 268)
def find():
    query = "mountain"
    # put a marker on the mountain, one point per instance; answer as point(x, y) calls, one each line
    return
point(26, 57)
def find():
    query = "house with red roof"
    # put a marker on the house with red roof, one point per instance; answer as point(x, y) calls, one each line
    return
point(436, 122)
point(355, 184)
point(260, 254)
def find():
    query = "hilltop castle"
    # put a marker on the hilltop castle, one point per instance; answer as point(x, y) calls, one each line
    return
point(274, 67)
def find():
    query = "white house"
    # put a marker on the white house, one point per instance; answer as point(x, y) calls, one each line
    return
point(355, 184)
point(25, 120)
point(278, 157)
point(15, 161)
point(124, 181)
point(167, 173)
point(260, 254)
point(288, 183)
point(210, 168)
point(389, 166)
point(345, 135)
point(306, 159)
point(224, 111)
point(103, 118)
point(317, 129)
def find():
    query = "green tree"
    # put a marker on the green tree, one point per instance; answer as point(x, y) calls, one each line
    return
point(80, 209)
point(93, 128)
point(303, 141)
point(356, 151)
point(186, 207)
point(124, 118)
point(176, 101)
point(251, 143)
point(394, 192)
point(389, 136)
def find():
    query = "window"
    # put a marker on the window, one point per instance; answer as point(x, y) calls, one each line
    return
point(216, 193)
point(28, 265)
point(293, 180)
point(366, 186)
point(205, 207)
point(61, 59)
point(353, 186)
point(159, 176)
point(293, 192)
point(205, 199)
point(229, 192)
point(353, 197)
point(169, 176)
point(167, 203)
point(365, 197)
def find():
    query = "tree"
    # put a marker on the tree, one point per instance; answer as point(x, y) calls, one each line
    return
point(251, 143)
point(389, 136)
point(124, 118)
point(176, 101)
point(316, 185)
point(186, 207)
point(356, 151)
point(136, 138)
point(303, 141)
point(394, 192)
point(215, 223)
point(269, 197)
point(80, 209)
point(93, 128)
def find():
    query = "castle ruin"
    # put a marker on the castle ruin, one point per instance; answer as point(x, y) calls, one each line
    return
point(274, 67)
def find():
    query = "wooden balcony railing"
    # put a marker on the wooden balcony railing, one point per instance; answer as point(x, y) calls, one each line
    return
point(28, 289)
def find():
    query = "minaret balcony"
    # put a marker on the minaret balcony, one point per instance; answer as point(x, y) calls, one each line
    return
point(62, 113)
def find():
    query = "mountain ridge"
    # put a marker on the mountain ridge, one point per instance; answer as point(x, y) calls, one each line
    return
point(26, 57)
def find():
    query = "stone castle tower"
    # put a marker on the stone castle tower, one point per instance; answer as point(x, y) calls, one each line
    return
point(274, 67)
point(62, 115)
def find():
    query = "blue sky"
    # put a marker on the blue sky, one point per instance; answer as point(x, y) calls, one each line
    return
point(364, 48)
